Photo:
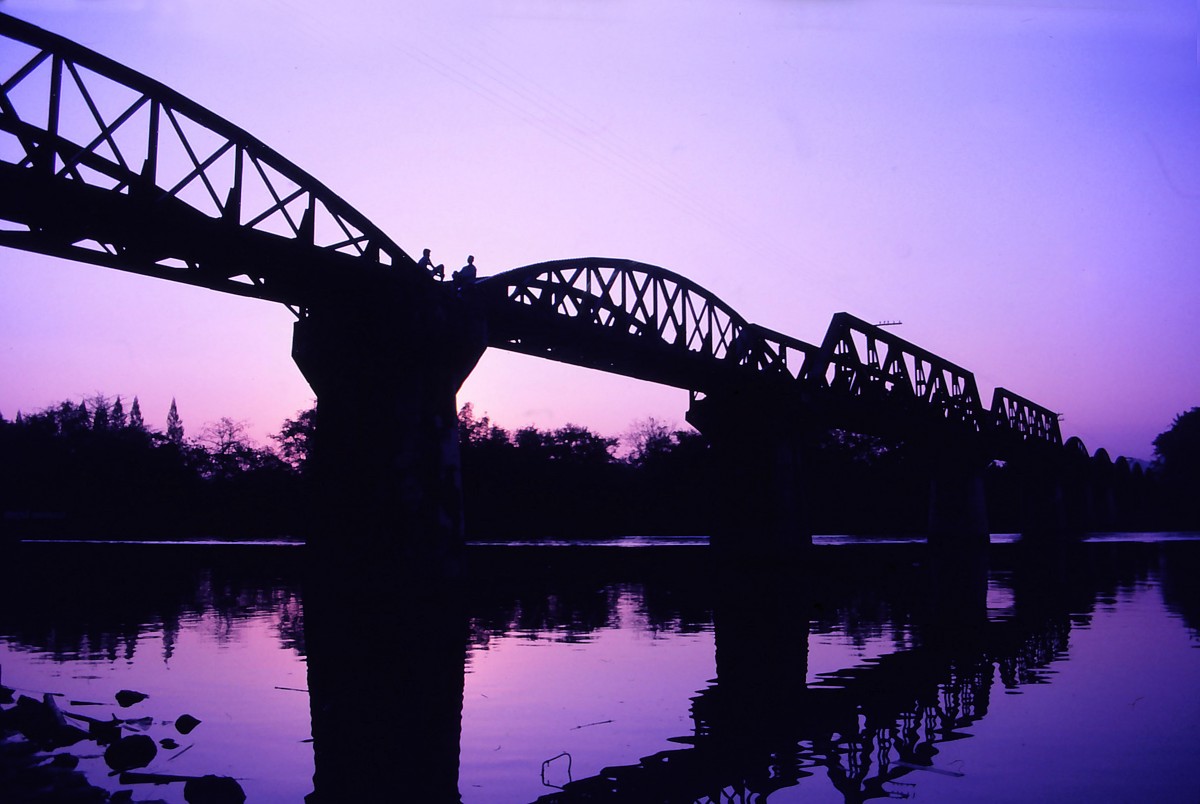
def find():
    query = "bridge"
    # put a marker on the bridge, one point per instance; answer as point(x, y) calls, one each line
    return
point(102, 165)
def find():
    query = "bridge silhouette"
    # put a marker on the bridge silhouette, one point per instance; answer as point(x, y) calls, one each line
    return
point(102, 165)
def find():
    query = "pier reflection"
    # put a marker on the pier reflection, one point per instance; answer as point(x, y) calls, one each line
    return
point(386, 652)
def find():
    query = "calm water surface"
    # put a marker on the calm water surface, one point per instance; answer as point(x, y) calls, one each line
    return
point(654, 679)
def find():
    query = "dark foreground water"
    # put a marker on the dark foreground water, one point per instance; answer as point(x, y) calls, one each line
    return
point(639, 674)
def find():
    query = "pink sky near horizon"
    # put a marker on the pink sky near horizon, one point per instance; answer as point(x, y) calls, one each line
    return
point(1017, 182)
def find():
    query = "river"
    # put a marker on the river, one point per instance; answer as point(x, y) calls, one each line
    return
point(635, 673)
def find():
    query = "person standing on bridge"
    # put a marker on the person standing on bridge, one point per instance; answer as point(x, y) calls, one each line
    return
point(425, 262)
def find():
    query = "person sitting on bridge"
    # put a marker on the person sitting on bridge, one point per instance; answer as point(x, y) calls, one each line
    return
point(466, 274)
point(739, 350)
point(425, 262)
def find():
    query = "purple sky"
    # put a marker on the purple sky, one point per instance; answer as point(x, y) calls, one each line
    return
point(1017, 182)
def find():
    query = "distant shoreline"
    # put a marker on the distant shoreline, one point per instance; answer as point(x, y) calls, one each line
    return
point(624, 542)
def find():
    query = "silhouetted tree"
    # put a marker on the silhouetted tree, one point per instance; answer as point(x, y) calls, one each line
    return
point(865, 484)
point(227, 446)
point(224, 450)
point(83, 476)
point(294, 439)
point(478, 432)
point(71, 419)
point(578, 443)
point(1177, 456)
point(100, 415)
point(136, 422)
point(117, 418)
point(1177, 450)
point(174, 425)
point(530, 483)
point(571, 443)
point(648, 439)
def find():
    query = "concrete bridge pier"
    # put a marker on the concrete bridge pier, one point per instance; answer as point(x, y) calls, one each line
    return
point(760, 453)
point(1102, 492)
point(1053, 488)
point(957, 499)
point(385, 460)
point(958, 533)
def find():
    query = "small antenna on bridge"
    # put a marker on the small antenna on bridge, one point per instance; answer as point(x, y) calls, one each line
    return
point(889, 323)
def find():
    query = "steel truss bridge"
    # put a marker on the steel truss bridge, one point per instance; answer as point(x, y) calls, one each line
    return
point(102, 165)
point(106, 166)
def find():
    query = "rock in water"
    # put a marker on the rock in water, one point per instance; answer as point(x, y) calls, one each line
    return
point(127, 753)
point(213, 790)
point(185, 723)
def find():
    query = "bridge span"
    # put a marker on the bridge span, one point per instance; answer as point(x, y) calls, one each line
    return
point(102, 165)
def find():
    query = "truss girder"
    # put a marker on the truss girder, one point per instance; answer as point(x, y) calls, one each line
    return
point(74, 124)
point(1024, 419)
point(645, 321)
point(635, 319)
point(867, 365)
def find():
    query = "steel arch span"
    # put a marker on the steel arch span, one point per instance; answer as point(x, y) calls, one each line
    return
point(632, 318)
point(103, 165)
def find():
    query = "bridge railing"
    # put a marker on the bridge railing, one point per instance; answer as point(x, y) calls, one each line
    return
point(71, 119)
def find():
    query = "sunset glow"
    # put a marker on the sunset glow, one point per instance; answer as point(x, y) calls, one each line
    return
point(1017, 182)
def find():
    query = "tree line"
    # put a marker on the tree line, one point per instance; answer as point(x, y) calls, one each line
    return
point(96, 469)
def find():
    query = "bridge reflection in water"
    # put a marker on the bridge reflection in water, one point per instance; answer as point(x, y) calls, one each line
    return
point(387, 657)
point(760, 728)
point(757, 728)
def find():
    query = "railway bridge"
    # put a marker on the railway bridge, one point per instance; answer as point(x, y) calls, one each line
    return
point(102, 165)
